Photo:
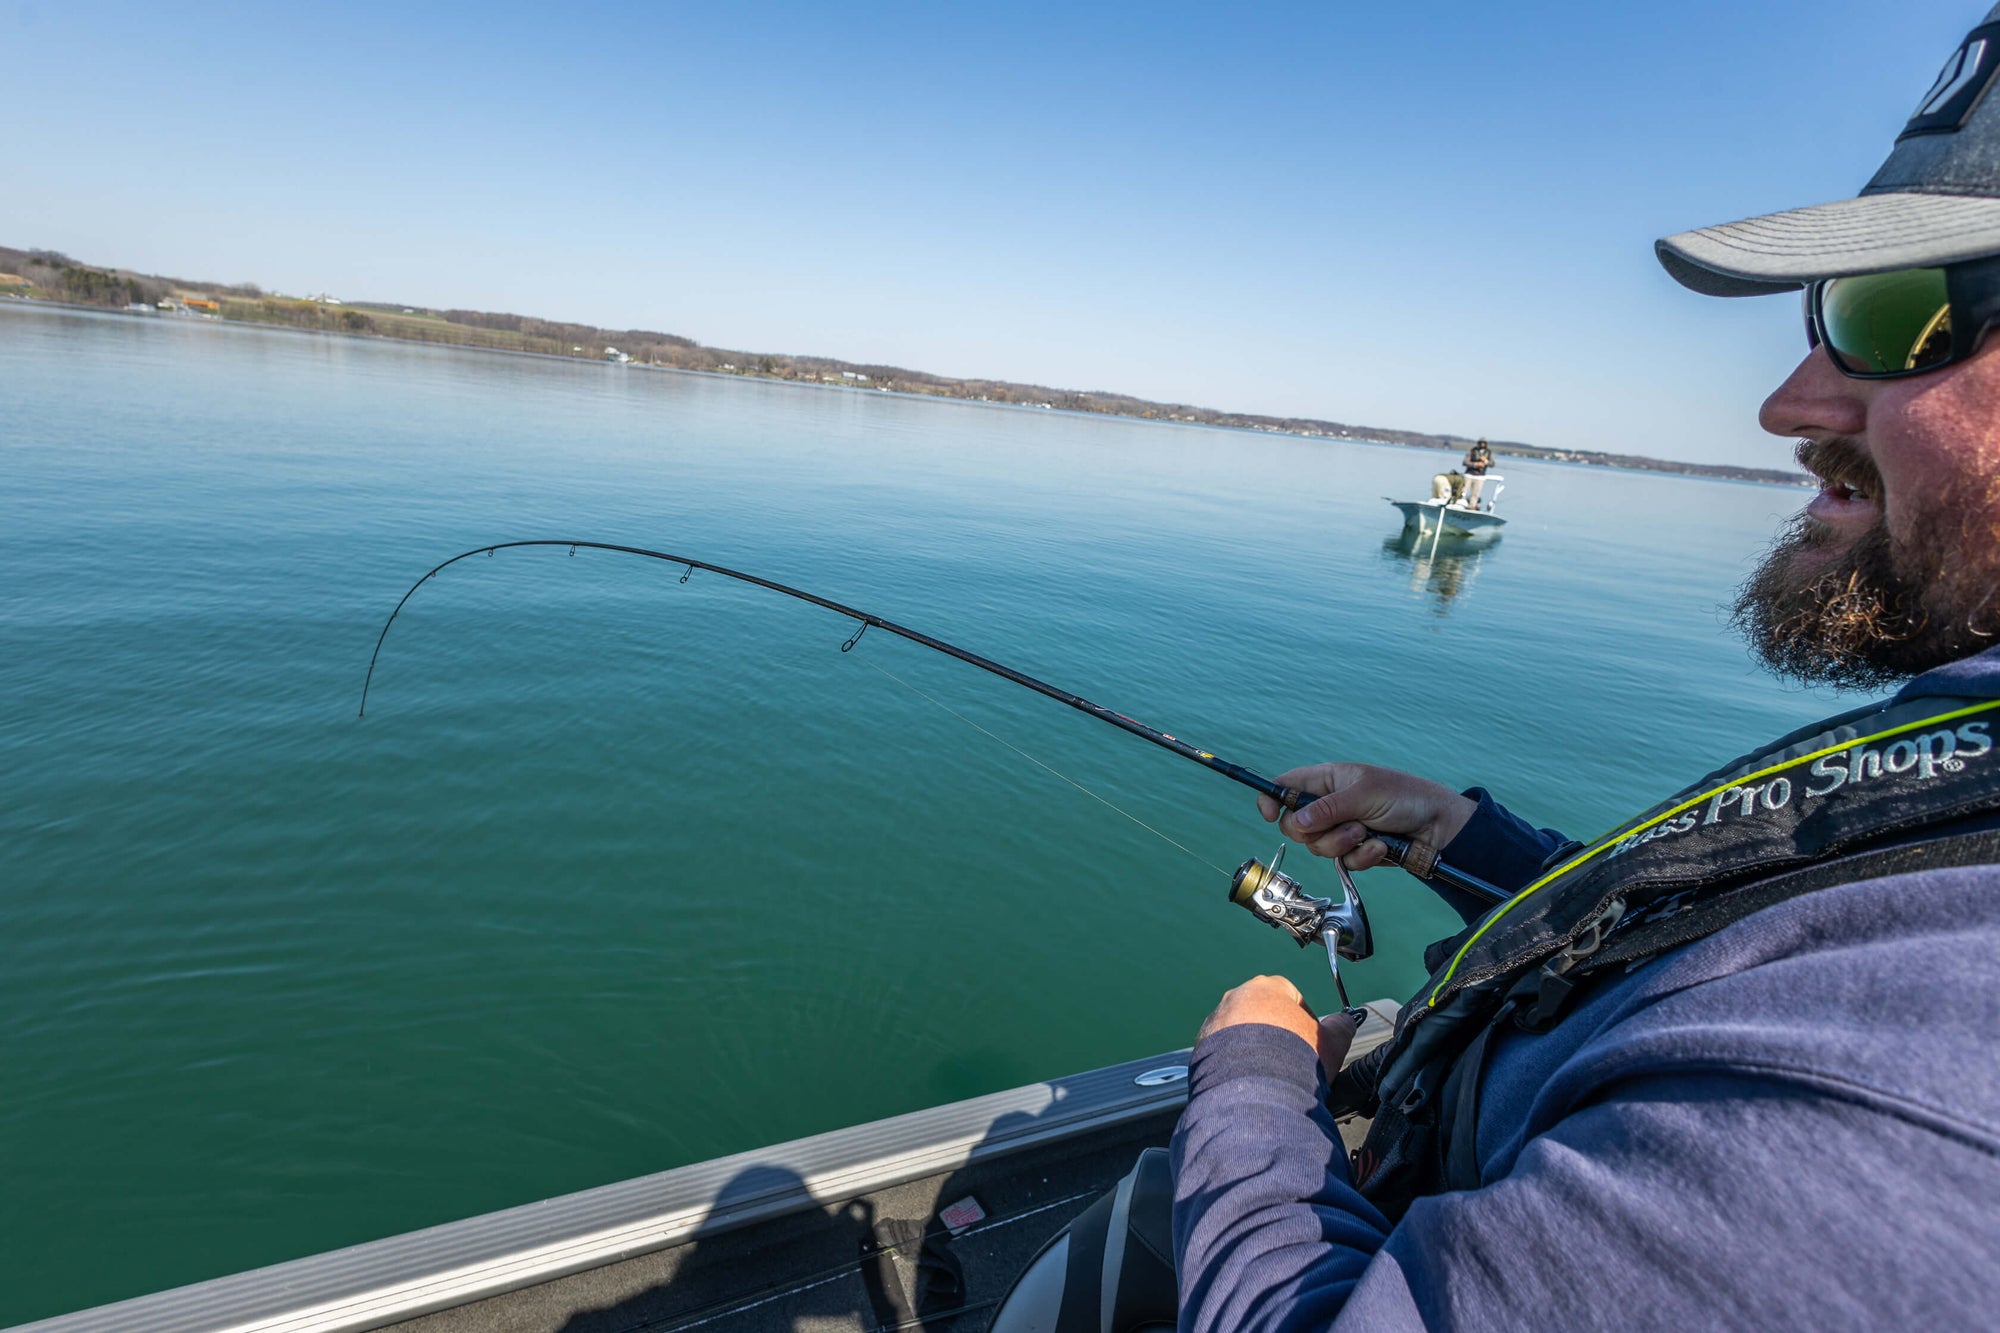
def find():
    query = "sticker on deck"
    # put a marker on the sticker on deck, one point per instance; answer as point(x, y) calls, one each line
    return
point(962, 1214)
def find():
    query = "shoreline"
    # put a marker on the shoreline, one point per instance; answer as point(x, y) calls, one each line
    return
point(1449, 444)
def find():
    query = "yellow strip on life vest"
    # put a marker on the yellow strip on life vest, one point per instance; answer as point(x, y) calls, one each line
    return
point(1612, 840)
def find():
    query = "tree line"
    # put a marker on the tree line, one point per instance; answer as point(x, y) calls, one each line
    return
point(57, 276)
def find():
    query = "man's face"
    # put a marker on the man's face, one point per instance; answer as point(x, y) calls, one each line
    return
point(1894, 567)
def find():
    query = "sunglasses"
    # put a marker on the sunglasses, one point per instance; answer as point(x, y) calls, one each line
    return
point(1880, 326)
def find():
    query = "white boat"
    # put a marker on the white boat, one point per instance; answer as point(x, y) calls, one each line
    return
point(1469, 515)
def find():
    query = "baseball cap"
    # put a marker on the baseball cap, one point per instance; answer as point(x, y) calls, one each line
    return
point(1935, 201)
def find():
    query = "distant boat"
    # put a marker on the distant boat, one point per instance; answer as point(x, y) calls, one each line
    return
point(1467, 513)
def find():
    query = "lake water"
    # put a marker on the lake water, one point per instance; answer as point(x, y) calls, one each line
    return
point(620, 872)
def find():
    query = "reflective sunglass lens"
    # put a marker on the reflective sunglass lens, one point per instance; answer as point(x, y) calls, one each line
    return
point(1882, 323)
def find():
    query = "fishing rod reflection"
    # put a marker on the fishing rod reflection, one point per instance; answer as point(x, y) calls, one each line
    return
point(1445, 569)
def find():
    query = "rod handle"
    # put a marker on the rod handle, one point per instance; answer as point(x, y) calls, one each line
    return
point(1416, 856)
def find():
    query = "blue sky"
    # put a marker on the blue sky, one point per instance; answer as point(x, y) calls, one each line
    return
point(1436, 216)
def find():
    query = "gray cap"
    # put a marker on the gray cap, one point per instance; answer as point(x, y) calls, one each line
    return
point(1935, 201)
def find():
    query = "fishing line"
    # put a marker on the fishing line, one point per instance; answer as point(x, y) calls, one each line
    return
point(1417, 857)
point(1047, 768)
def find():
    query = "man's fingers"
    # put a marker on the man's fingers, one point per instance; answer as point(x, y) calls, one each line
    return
point(1312, 778)
point(1265, 988)
point(1353, 844)
point(1280, 985)
point(1313, 820)
point(1309, 777)
point(1335, 838)
point(1341, 840)
point(1269, 1000)
point(1368, 854)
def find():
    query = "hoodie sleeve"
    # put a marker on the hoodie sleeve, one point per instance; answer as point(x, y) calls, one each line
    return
point(1269, 1231)
point(1500, 847)
point(1642, 1202)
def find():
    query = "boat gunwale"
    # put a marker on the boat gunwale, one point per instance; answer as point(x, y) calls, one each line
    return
point(1463, 522)
point(400, 1277)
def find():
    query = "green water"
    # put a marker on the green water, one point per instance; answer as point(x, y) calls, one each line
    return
point(621, 873)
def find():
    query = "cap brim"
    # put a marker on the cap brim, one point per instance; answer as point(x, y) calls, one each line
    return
point(1875, 233)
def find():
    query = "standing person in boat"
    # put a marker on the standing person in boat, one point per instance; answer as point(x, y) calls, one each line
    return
point(1478, 462)
point(1738, 1063)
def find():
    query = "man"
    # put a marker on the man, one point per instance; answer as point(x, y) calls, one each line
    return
point(1738, 1063)
point(1478, 462)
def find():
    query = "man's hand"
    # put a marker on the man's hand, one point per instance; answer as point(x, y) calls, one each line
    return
point(1357, 797)
point(1276, 1002)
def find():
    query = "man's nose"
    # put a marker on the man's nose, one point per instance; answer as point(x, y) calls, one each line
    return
point(1815, 400)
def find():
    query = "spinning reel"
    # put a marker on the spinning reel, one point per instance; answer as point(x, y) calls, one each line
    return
point(1277, 899)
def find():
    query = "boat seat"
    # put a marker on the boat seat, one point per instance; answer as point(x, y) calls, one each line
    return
point(1111, 1270)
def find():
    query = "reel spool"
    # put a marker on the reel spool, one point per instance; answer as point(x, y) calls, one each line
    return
point(1278, 900)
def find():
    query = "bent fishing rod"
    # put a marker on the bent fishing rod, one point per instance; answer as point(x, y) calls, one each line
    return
point(1415, 856)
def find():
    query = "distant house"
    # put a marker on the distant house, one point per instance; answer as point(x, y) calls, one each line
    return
point(853, 375)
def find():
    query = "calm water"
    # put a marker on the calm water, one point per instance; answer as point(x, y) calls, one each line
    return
point(621, 873)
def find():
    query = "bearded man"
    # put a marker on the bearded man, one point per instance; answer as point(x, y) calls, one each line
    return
point(1736, 1063)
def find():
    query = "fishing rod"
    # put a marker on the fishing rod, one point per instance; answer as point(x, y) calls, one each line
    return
point(1415, 856)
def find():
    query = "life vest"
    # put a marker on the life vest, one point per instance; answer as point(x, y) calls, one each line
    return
point(1877, 791)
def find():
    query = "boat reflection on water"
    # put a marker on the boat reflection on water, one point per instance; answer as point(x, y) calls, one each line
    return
point(1443, 568)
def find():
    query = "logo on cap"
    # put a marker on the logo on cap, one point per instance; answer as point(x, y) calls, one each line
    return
point(1960, 84)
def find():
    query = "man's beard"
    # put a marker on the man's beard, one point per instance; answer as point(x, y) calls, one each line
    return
point(1884, 609)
